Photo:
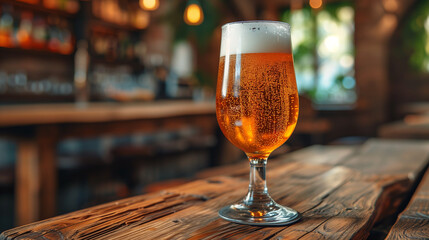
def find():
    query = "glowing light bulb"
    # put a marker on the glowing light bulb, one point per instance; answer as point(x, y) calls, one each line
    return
point(149, 5)
point(315, 4)
point(194, 14)
point(141, 20)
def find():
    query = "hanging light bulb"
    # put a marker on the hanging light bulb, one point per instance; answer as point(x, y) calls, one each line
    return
point(193, 14)
point(149, 5)
point(315, 4)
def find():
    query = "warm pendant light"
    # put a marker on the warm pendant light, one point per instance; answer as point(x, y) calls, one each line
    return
point(315, 4)
point(149, 5)
point(193, 13)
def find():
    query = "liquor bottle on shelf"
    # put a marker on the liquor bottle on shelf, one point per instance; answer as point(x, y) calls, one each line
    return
point(6, 26)
point(39, 33)
point(60, 36)
point(81, 74)
point(66, 38)
point(27, 29)
point(24, 32)
point(53, 34)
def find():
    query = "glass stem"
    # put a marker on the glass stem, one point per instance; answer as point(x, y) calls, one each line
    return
point(258, 192)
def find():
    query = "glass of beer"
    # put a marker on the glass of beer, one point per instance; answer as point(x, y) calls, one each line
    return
point(257, 109)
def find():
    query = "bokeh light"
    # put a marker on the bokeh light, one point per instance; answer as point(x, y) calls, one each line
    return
point(149, 5)
point(315, 4)
point(194, 14)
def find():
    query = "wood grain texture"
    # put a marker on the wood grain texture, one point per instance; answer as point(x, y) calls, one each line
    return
point(413, 222)
point(340, 191)
point(315, 154)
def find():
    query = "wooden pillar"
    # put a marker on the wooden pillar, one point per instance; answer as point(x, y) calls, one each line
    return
point(47, 138)
point(375, 23)
point(27, 183)
point(36, 176)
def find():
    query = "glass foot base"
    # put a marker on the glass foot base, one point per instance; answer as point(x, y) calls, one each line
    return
point(273, 215)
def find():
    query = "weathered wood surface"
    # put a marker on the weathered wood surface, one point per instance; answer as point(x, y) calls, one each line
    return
point(340, 191)
point(413, 223)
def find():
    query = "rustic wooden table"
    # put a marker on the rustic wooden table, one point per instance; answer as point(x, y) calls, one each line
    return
point(341, 191)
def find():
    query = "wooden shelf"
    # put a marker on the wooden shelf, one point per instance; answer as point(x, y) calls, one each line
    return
point(100, 26)
point(34, 52)
point(135, 64)
point(20, 98)
point(97, 23)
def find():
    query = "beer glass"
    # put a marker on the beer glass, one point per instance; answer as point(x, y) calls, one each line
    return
point(257, 109)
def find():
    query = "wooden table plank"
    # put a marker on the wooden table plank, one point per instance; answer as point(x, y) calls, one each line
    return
point(338, 198)
point(144, 206)
point(413, 222)
point(315, 154)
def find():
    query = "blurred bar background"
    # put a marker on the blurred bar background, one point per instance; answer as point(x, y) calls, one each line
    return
point(362, 68)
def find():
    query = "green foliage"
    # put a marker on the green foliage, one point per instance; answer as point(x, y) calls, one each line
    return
point(305, 49)
point(415, 36)
point(201, 33)
point(332, 8)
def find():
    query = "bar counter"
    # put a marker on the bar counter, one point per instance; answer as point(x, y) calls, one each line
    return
point(342, 192)
point(37, 129)
point(14, 115)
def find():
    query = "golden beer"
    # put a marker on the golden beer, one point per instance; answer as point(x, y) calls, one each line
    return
point(257, 110)
point(257, 101)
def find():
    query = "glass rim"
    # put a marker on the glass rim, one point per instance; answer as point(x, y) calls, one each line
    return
point(255, 21)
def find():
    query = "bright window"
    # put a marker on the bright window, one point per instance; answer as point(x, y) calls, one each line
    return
point(324, 52)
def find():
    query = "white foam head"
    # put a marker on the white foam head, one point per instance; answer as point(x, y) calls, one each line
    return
point(255, 37)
